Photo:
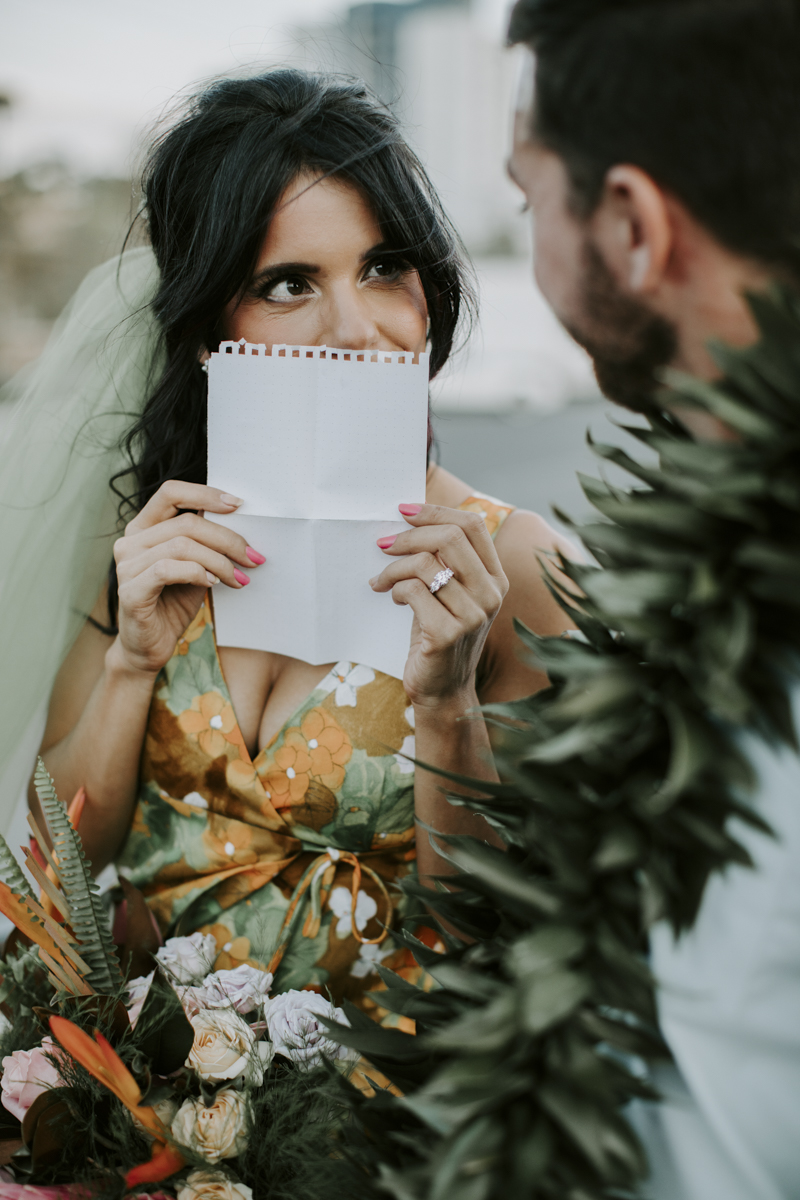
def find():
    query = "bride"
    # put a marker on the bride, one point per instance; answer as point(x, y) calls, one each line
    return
point(265, 802)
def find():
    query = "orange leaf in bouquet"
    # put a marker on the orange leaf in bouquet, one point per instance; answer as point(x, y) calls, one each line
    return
point(57, 950)
point(101, 1060)
point(166, 1161)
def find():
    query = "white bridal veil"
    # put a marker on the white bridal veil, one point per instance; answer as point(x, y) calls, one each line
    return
point(61, 420)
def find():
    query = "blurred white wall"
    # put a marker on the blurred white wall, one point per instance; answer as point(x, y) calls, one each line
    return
point(518, 357)
point(457, 88)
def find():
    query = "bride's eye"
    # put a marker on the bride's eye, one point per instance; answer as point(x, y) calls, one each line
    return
point(289, 288)
point(385, 268)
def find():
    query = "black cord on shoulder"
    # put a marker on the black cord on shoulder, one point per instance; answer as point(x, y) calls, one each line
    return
point(108, 630)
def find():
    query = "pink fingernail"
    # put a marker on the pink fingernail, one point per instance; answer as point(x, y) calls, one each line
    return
point(231, 501)
point(410, 510)
point(240, 577)
point(385, 543)
point(254, 556)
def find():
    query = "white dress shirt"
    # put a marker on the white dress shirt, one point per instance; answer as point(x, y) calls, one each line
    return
point(729, 1003)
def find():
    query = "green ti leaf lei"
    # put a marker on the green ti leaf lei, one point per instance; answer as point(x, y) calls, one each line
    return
point(618, 786)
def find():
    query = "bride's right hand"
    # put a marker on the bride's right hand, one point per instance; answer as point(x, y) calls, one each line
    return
point(166, 560)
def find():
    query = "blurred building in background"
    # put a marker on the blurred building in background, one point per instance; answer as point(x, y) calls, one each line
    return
point(451, 86)
point(53, 229)
point(450, 82)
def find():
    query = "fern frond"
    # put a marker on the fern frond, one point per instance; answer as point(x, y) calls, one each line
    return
point(87, 916)
point(56, 951)
point(11, 873)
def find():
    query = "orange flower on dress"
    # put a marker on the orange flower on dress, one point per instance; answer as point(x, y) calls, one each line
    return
point(211, 720)
point(491, 512)
point(232, 951)
point(194, 631)
point(318, 750)
point(229, 844)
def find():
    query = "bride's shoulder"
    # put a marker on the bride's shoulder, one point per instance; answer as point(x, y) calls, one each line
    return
point(523, 533)
point(528, 548)
point(519, 535)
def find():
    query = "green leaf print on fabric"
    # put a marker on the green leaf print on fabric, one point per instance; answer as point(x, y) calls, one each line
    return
point(299, 965)
point(152, 843)
point(193, 674)
point(172, 837)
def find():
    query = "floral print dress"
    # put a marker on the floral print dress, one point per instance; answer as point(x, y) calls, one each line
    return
point(291, 859)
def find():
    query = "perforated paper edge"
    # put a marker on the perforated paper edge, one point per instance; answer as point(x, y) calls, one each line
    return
point(329, 353)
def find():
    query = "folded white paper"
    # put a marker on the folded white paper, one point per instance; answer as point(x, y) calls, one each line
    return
point(322, 445)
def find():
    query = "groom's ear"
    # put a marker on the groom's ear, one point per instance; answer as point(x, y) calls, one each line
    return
point(633, 229)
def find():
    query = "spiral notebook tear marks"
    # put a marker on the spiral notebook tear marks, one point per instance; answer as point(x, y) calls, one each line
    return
point(322, 444)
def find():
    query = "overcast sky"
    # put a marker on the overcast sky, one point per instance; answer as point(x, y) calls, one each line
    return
point(88, 77)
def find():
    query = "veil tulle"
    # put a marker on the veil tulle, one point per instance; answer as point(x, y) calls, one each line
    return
point(61, 421)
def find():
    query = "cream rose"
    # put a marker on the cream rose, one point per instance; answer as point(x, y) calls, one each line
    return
point(165, 1110)
point(296, 1031)
point(216, 1131)
point(193, 999)
point(213, 1185)
point(243, 988)
point(137, 994)
point(223, 1044)
point(26, 1074)
point(188, 959)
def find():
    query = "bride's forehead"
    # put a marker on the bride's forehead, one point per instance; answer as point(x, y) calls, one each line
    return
point(327, 213)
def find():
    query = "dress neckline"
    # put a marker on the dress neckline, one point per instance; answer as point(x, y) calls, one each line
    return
point(473, 500)
point(290, 720)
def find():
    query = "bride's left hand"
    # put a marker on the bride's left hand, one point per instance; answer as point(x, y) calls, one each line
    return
point(450, 627)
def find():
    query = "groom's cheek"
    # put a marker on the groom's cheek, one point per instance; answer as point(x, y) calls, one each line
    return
point(557, 258)
point(558, 234)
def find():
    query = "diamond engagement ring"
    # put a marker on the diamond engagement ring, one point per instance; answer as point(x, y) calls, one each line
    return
point(440, 579)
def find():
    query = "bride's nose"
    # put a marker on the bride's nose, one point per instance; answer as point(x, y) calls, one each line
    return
point(351, 322)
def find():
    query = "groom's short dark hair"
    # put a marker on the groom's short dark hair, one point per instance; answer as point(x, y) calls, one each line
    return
point(704, 95)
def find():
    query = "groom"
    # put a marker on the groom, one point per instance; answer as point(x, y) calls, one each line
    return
point(658, 147)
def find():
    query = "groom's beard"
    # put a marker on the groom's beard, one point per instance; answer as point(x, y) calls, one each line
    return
point(627, 342)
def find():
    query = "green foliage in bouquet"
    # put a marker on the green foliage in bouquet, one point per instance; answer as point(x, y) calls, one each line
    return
point(23, 989)
point(618, 789)
point(185, 1080)
point(87, 916)
point(10, 873)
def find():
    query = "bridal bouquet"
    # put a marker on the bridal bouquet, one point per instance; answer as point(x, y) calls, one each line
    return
point(198, 1083)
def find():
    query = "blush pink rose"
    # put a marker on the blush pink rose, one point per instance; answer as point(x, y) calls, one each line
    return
point(26, 1074)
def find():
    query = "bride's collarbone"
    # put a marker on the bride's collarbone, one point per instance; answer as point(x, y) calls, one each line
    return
point(266, 689)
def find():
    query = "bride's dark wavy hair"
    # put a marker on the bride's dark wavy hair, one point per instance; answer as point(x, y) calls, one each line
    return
point(211, 185)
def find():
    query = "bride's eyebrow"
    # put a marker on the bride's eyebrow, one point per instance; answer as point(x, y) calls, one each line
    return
point(381, 248)
point(280, 270)
point(287, 268)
